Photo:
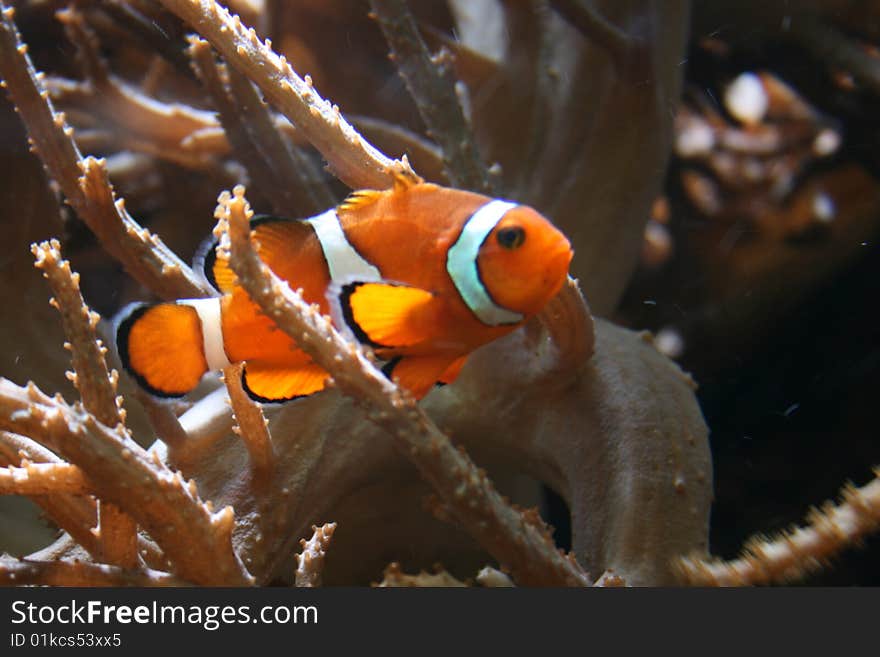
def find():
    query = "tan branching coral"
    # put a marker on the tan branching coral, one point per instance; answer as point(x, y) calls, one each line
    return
point(84, 182)
point(351, 158)
point(310, 562)
point(593, 411)
point(795, 553)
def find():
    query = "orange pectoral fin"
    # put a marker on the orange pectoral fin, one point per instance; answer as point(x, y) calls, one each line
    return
point(387, 314)
point(161, 346)
point(272, 384)
point(418, 374)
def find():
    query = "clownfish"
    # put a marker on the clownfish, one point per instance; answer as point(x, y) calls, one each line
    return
point(420, 273)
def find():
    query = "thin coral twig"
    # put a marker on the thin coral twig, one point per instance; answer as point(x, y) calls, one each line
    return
point(84, 181)
point(795, 553)
point(431, 82)
point(163, 420)
point(22, 572)
point(121, 105)
point(268, 132)
point(310, 562)
point(42, 479)
point(196, 541)
point(510, 537)
point(252, 425)
point(96, 384)
point(352, 159)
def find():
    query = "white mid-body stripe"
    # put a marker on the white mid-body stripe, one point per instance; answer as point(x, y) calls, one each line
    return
point(343, 261)
point(212, 330)
point(461, 263)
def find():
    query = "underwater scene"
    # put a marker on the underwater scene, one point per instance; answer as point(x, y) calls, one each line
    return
point(481, 293)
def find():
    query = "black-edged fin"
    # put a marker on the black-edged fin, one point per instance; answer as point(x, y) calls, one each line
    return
point(386, 315)
point(275, 236)
point(418, 374)
point(161, 347)
point(270, 384)
point(203, 263)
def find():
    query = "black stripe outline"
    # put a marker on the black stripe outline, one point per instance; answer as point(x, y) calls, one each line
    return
point(479, 275)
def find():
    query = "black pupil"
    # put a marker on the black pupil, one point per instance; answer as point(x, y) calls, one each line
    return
point(511, 238)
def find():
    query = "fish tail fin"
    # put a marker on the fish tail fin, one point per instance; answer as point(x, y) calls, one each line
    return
point(162, 347)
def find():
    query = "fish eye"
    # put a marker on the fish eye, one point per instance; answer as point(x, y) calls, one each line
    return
point(511, 237)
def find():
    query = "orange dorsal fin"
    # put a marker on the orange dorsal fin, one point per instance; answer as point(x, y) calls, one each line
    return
point(161, 346)
point(418, 374)
point(272, 384)
point(360, 199)
point(276, 237)
point(387, 315)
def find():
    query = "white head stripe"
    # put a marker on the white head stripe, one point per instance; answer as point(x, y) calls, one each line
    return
point(342, 260)
point(461, 263)
point(208, 311)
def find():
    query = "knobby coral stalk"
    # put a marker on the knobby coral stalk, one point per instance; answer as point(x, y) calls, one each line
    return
point(84, 182)
point(75, 514)
point(23, 572)
point(96, 384)
point(354, 161)
point(196, 541)
point(431, 82)
point(795, 553)
point(310, 562)
point(528, 552)
point(252, 425)
point(43, 479)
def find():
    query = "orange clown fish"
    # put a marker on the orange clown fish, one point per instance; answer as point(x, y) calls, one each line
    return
point(420, 273)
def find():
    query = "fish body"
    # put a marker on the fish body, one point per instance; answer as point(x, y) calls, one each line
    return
point(422, 274)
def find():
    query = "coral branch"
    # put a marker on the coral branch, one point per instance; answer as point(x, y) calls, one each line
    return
point(310, 562)
point(352, 159)
point(196, 541)
point(251, 424)
point(117, 532)
point(797, 552)
point(22, 572)
point(395, 577)
point(278, 171)
point(75, 514)
point(84, 182)
point(596, 28)
point(163, 420)
point(431, 82)
point(133, 115)
point(42, 479)
point(504, 532)
point(95, 382)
